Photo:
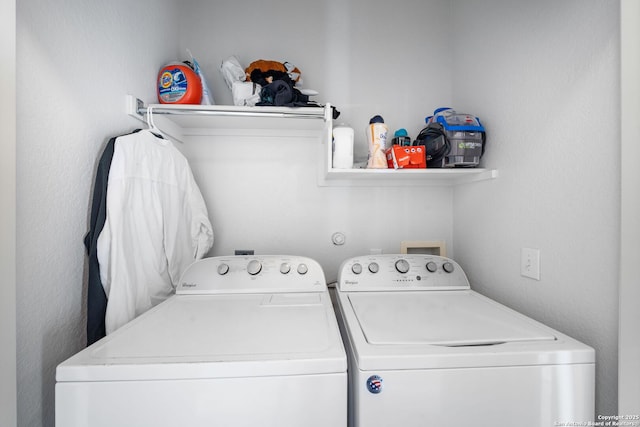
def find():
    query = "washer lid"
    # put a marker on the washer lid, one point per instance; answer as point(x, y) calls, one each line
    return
point(446, 318)
point(213, 336)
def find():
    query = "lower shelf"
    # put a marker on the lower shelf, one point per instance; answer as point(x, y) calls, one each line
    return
point(418, 177)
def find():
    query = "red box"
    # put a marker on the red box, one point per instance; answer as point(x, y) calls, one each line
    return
point(400, 157)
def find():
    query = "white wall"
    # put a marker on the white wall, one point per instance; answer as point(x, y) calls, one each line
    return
point(8, 214)
point(542, 76)
point(76, 61)
point(629, 345)
point(545, 77)
point(262, 195)
point(364, 57)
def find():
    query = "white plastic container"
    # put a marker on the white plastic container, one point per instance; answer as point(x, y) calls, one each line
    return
point(342, 147)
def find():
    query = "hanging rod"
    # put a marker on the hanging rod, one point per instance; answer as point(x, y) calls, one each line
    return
point(232, 110)
point(206, 112)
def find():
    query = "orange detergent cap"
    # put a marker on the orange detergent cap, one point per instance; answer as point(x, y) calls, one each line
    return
point(179, 84)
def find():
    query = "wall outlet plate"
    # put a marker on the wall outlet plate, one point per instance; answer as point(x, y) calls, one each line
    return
point(530, 263)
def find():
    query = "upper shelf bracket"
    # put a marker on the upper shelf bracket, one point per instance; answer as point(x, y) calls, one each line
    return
point(180, 121)
point(137, 109)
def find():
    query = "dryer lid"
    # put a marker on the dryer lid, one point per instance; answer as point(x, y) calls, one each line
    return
point(447, 318)
point(217, 336)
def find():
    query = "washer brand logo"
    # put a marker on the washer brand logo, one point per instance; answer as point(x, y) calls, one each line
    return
point(374, 384)
point(350, 282)
point(189, 285)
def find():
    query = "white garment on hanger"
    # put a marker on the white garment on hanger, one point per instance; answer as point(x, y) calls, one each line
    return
point(156, 225)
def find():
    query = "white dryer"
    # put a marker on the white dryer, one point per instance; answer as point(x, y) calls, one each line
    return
point(426, 350)
point(246, 341)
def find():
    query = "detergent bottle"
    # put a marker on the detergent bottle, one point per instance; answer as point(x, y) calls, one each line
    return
point(179, 84)
point(377, 138)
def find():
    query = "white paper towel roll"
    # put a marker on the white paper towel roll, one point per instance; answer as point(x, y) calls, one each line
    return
point(342, 147)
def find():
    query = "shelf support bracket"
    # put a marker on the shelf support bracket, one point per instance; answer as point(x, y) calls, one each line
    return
point(134, 107)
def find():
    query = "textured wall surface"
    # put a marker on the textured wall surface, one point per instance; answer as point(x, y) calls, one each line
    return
point(8, 215)
point(364, 57)
point(546, 80)
point(543, 76)
point(77, 60)
point(270, 202)
point(358, 62)
point(629, 358)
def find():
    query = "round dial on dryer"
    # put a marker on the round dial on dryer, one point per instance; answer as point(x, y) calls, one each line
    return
point(285, 268)
point(303, 269)
point(432, 267)
point(254, 267)
point(356, 268)
point(448, 267)
point(223, 269)
point(402, 265)
point(374, 267)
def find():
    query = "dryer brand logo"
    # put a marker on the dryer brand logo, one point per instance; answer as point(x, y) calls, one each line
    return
point(189, 285)
point(350, 282)
point(374, 384)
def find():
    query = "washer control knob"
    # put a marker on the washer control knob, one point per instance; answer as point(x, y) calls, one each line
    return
point(356, 268)
point(223, 269)
point(285, 268)
point(448, 267)
point(303, 269)
point(402, 265)
point(432, 267)
point(254, 267)
point(374, 267)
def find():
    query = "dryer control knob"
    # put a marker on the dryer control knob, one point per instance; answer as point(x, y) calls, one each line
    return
point(285, 268)
point(402, 265)
point(356, 268)
point(303, 269)
point(374, 267)
point(254, 267)
point(432, 267)
point(448, 267)
point(223, 269)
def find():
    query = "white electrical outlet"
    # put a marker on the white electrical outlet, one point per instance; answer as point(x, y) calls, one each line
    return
point(530, 263)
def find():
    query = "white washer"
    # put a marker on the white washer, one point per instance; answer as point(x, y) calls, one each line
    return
point(245, 341)
point(425, 349)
